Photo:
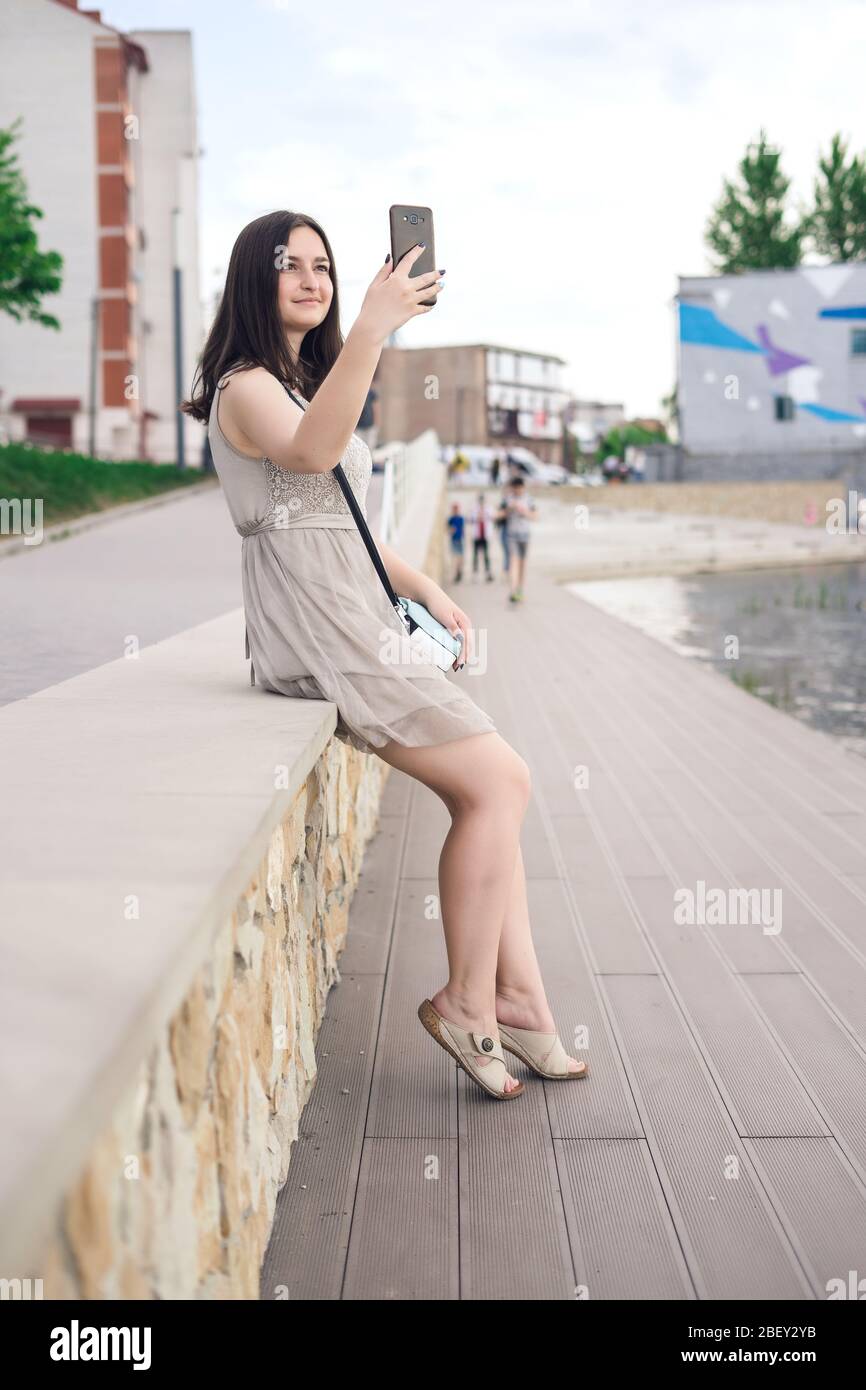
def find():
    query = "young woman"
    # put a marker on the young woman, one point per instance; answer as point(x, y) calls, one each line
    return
point(282, 392)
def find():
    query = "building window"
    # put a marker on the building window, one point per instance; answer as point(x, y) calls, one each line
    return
point(858, 342)
point(49, 431)
point(784, 407)
point(501, 421)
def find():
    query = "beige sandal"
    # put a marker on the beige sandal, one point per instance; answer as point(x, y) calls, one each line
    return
point(542, 1052)
point(465, 1047)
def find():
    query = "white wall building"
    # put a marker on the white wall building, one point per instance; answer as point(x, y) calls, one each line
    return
point(772, 372)
point(108, 148)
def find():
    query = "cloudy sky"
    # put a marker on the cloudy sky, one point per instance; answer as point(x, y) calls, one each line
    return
point(571, 151)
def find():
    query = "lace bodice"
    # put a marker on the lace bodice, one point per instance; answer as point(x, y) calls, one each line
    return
point(261, 496)
point(293, 495)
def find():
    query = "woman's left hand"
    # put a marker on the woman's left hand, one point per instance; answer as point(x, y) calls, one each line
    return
point(450, 615)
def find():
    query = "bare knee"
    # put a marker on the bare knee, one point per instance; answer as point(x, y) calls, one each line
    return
point(508, 784)
point(520, 779)
point(483, 770)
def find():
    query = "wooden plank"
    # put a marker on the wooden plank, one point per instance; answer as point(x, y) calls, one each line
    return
point(823, 1203)
point(413, 1091)
point(607, 920)
point(624, 1242)
point(371, 912)
point(404, 1241)
point(760, 1090)
point(832, 1063)
point(513, 1233)
point(732, 1240)
point(305, 1258)
point(600, 1105)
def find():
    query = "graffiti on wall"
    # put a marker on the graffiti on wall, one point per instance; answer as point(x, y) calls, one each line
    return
point(702, 326)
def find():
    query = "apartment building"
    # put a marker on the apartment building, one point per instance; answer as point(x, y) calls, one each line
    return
point(108, 147)
point(474, 394)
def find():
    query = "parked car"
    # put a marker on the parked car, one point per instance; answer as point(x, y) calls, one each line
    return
point(535, 468)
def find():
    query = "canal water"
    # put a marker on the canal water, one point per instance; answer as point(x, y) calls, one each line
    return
point(801, 634)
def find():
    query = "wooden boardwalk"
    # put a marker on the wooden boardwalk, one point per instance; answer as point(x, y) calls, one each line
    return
point(717, 1150)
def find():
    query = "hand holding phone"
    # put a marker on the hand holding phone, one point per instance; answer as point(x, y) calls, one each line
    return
point(411, 225)
point(395, 296)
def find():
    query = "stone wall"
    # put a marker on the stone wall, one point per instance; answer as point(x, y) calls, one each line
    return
point(752, 466)
point(177, 1198)
point(789, 503)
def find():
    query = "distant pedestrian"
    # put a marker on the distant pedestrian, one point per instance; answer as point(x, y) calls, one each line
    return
point(481, 524)
point(494, 471)
point(500, 521)
point(520, 509)
point(456, 526)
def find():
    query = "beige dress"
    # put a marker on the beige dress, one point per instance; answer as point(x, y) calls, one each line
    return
point(319, 623)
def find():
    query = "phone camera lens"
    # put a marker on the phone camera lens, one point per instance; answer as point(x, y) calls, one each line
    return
point(414, 218)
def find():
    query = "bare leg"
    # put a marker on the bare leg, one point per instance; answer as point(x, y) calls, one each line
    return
point(486, 786)
point(520, 996)
point(514, 571)
point(518, 572)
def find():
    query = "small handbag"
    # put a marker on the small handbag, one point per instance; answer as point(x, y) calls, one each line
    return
point(428, 638)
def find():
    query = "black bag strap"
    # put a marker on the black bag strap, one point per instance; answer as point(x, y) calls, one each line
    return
point(361, 523)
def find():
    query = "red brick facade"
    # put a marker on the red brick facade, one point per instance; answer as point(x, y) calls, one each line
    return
point(116, 239)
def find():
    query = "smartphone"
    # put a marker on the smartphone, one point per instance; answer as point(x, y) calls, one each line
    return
point(409, 225)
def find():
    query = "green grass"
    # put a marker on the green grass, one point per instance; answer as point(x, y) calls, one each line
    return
point(820, 597)
point(72, 485)
point(754, 685)
point(747, 681)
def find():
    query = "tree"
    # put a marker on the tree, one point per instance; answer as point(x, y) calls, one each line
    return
point(747, 228)
point(616, 439)
point(837, 224)
point(26, 273)
point(671, 405)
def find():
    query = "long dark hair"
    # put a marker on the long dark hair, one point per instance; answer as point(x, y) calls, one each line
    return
point(247, 330)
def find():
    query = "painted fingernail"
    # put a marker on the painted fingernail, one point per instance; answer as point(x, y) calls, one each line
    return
point(422, 243)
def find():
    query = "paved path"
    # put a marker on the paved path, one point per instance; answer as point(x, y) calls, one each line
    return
point(70, 605)
point(717, 1150)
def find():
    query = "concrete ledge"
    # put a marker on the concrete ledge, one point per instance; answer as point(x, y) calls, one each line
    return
point(175, 844)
